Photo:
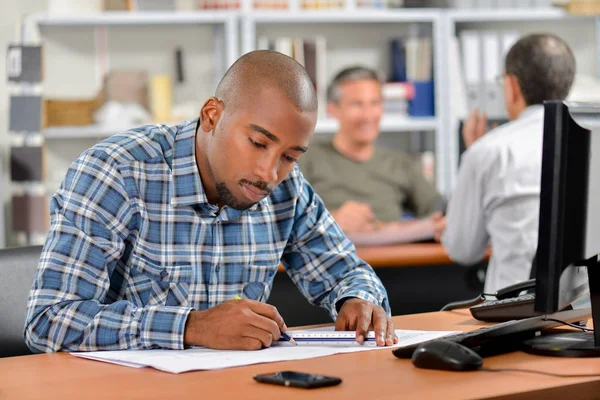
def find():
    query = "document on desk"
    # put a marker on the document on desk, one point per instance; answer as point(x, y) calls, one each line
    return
point(200, 358)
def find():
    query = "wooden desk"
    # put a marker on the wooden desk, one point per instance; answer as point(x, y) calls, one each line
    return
point(403, 255)
point(365, 375)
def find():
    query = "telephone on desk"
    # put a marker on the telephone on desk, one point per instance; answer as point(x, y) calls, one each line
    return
point(509, 304)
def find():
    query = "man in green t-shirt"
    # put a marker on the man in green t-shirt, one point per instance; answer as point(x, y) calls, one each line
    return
point(367, 188)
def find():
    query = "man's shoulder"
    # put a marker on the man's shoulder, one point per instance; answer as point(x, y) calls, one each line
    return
point(143, 143)
point(507, 136)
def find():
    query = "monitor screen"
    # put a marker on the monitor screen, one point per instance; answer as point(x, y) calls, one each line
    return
point(569, 225)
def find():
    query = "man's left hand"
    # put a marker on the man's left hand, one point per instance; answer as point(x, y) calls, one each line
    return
point(362, 316)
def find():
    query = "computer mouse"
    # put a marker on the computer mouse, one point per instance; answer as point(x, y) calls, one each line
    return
point(446, 355)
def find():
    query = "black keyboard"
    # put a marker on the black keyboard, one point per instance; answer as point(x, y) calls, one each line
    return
point(506, 336)
point(506, 309)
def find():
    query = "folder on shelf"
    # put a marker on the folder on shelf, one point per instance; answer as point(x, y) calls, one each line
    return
point(494, 96)
point(27, 163)
point(471, 57)
point(25, 114)
point(508, 38)
point(284, 46)
point(24, 63)
point(321, 51)
point(458, 105)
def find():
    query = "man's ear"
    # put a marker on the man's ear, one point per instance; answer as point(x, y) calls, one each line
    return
point(514, 89)
point(332, 109)
point(210, 113)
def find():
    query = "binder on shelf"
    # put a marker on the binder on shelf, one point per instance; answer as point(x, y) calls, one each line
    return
point(321, 48)
point(27, 164)
point(494, 96)
point(24, 63)
point(508, 38)
point(397, 61)
point(458, 105)
point(25, 114)
point(471, 58)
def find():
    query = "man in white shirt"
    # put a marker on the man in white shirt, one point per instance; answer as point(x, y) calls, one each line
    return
point(496, 198)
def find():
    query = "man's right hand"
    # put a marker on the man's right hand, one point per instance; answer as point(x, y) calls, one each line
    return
point(234, 325)
point(355, 217)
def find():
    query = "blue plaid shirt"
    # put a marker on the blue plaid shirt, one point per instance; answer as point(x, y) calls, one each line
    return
point(134, 246)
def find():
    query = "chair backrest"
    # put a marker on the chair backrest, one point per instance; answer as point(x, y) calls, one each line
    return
point(17, 271)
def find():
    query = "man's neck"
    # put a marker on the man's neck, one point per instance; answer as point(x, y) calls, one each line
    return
point(353, 150)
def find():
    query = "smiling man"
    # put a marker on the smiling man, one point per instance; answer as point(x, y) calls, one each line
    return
point(154, 231)
point(367, 187)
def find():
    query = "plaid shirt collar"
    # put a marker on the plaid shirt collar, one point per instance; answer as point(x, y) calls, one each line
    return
point(185, 176)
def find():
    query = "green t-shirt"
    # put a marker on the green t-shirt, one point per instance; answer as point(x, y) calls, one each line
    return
point(389, 182)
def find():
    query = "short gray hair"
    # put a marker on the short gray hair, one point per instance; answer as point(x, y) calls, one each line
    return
point(544, 66)
point(351, 74)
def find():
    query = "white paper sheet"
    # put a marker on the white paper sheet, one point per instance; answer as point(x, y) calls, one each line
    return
point(177, 361)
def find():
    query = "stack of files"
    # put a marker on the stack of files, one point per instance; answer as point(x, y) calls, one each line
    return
point(396, 96)
point(311, 54)
point(483, 54)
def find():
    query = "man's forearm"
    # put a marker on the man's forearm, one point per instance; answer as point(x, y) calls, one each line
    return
point(90, 326)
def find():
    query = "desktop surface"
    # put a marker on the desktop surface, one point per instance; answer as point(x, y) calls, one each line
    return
point(371, 374)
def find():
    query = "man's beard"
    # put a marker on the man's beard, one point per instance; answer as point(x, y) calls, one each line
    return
point(227, 198)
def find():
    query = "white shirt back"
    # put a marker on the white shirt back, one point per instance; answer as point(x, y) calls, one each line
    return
point(496, 201)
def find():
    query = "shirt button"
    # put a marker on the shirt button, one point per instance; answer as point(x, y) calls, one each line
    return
point(164, 273)
point(217, 269)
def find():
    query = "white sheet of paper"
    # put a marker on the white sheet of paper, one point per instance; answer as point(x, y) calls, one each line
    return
point(177, 361)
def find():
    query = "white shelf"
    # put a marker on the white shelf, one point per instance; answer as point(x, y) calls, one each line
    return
point(84, 131)
point(328, 125)
point(344, 16)
point(388, 124)
point(136, 18)
point(509, 14)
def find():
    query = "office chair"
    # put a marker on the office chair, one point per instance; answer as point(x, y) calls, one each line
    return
point(17, 270)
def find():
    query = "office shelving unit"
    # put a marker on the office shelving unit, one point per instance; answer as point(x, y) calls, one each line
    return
point(523, 20)
point(341, 27)
point(344, 30)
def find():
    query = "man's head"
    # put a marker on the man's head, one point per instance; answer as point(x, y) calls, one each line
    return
point(255, 128)
point(538, 67)
point(354, 99)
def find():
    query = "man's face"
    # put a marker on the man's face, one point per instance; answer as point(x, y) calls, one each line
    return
point(359, 110)
point(255, 147)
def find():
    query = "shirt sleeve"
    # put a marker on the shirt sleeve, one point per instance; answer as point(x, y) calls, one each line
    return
point(70, 306)
point(465, 237)
point(323, 263)
point(423, 198)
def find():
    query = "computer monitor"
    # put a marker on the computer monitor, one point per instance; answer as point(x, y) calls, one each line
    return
point(569, 224)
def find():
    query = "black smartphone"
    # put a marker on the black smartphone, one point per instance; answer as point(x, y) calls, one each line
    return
point(298, 379)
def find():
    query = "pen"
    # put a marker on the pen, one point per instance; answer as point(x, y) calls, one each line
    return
point(284, 336)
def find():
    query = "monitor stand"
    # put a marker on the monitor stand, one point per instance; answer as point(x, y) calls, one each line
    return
point(572, 344)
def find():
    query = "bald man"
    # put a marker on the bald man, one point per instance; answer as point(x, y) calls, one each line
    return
point(156, 230)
